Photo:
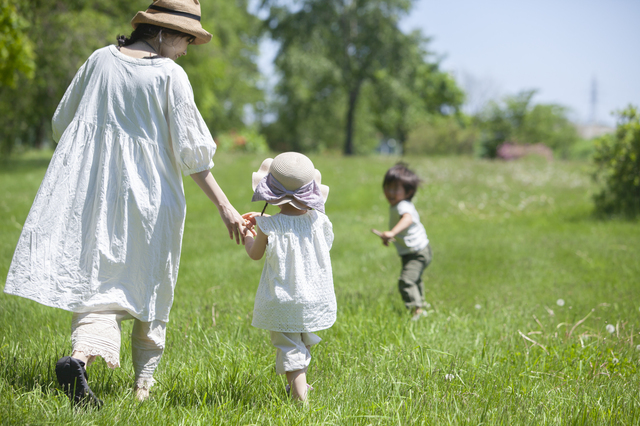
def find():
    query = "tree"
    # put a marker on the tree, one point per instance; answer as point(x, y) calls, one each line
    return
point(617, 160)
point(410, 89)
point(65, 32)
point(345, 42)
point(16, 49)
point(517, 120)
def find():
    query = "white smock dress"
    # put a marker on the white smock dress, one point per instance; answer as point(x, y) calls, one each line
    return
point(105, 229)
point(295, 296)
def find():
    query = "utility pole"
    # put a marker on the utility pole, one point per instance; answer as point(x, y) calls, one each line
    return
point(594, 101)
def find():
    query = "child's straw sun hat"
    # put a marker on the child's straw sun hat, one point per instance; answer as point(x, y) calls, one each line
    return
point(179, 15)
point(290, 178)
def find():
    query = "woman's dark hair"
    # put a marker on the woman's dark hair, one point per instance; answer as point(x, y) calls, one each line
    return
point(408, 179)
point(149, 31)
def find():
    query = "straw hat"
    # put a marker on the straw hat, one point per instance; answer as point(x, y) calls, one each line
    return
point(179, 15)
point(292, 171)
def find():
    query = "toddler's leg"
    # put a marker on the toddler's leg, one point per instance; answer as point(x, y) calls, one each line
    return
point(293, 358)
point(147, 346)
point(298, 383)
point(410, 282)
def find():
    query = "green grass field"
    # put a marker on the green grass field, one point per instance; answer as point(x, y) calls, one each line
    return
point(511, 241)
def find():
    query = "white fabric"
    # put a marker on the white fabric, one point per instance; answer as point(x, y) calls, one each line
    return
point(296, 293)
point(99, 334)
point(292, 350)
point(105, 229)
point(414, 238)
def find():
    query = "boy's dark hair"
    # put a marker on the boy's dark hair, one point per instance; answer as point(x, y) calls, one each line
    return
point(407, 178)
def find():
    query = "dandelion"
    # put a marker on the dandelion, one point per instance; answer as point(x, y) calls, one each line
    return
point(638, 348)
point(611, 328)
point(615, 360)
point(449, 377)
point(478, 306)
point(560, 302)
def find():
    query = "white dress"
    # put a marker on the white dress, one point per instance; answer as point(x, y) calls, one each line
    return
point(105, 229)
point(295, 294)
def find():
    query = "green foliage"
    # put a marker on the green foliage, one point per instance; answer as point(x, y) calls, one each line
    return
point(16, 49)
point(517, 120)
point(617, 158)
point(349, 76)
point(509, 240)
point(443, 135)
point(246, 140)
point(223, 73)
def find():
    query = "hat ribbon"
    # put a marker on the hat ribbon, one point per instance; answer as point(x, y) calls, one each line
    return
point(272, 191)
point(174, 12)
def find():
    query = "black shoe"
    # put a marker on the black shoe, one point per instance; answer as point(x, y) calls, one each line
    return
point(72, 377)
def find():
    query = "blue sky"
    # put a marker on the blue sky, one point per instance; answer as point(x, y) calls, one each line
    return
point(498, 47)
point(501, 47)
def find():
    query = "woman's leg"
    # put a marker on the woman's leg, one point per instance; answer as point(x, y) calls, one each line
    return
point(147, 346)
point(92, 334)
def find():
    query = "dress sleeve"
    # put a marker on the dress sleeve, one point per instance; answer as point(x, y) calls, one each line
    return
point(193, 145)
point(68, 106)
point(327, 229)
point(263, 224)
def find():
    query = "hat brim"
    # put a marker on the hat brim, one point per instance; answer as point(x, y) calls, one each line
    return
point(178, 23)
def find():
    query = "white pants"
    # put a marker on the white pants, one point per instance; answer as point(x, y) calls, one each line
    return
point(99, 334)
point(292, 350)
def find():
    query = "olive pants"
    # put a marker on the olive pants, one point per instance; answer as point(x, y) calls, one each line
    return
point(410, 281)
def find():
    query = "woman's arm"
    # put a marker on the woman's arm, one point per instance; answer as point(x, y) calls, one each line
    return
point(231, 218)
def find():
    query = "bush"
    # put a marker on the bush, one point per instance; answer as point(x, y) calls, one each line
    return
point(516, 120)
point(246, 140)
point(442, 135)
point(617, 158)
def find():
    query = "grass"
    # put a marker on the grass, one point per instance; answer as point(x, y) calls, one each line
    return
point(510, 239)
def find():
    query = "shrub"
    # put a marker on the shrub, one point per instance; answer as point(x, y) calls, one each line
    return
point(246, 140)
point(442, 135)
point(517, 120)
point(617, 160)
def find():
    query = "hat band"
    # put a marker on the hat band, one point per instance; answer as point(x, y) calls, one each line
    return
point(174, 12)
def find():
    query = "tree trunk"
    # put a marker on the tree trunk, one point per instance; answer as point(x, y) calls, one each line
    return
point(353, 100)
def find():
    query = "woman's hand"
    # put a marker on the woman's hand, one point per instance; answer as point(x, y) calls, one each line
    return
point(235, 223)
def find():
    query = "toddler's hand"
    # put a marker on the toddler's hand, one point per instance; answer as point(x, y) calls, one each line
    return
point(387, 237)
point(250, 217)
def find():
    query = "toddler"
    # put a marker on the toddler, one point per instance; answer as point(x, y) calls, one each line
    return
point(408, 235)
point(295, 296)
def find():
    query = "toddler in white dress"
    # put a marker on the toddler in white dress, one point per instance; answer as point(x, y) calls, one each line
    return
point(295, 296)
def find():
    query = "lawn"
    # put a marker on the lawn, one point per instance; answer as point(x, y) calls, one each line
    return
point(534, 320)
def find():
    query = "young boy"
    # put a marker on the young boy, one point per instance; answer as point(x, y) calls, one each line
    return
point(408, 235)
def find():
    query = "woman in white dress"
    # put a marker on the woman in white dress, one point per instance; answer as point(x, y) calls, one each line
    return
point(103, 236)
point(295, 296)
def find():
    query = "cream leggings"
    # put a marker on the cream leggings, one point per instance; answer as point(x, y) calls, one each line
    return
point(292, 350)
point(99, 334)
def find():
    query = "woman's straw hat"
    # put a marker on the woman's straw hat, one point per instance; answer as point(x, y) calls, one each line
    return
point(292, 171)
point(179, 15)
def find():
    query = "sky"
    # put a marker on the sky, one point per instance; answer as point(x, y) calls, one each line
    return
point(561, 48)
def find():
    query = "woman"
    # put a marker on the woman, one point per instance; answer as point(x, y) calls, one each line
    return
point(103, 236)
